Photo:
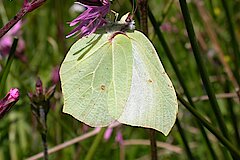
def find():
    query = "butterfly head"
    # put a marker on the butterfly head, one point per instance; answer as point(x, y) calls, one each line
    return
point(127, 19)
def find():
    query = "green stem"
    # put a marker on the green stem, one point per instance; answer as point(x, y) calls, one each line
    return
point(45, 147)
point(43, 131)
point(212, 129)
point(166, 11)
point(234, 42)
point(212, 9)
point(201, 67)
point(3, 13)
point(95, 144)
point(187, 148)
point(232, 116)
point(6, 69)
point(180, 78)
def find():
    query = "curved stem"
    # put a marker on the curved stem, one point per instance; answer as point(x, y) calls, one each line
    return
point(6, 70)
point(201, 67)
point(95, 144)
point(187, 148)
point(12, 22)
point(234, 42)
point(212, 129)
point(27, 7)
point(180, 78)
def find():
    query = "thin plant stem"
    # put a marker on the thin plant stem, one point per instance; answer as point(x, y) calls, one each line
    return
point(23, 11)
point(187, 148)
point(166, 11)
point(180, 78)
point(234, 42)
point(163, 145)
point(3, 13)
point(66, 144)
point(143, 7)
point(209, 126)
point(12, 22)
point(232, 116)
point(6, 70)
point(153, 144)
point(212, 9)
point(201, 67)
point(95, 144)
point(218, 96)
point(44, 132)
point(208, 24)
point(203, 70)
point(45, 146)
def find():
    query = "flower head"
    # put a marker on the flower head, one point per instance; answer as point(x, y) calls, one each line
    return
point(40, 104)
point(8, 101)
point(91, 19)
point(7, 40)
point(55, 77)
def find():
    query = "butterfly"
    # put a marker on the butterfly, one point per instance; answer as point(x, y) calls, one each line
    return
point(118, 76)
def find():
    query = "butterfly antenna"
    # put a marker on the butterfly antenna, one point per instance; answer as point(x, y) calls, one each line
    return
point(134, 9)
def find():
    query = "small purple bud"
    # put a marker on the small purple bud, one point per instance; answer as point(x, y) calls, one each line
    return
point(108, 133)
point(119, 137)
point(55, 75)
point(39, 88)
point(13, 94)
point(8, 101)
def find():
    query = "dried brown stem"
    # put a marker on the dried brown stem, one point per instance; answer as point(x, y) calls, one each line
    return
point(66, 144)
point(163, 145)
point(218, 96)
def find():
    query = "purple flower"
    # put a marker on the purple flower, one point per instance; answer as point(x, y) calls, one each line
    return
point(8, 101)
point(7, 40)
point(91, 19)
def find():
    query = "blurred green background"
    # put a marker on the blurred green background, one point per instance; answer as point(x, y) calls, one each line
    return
point(44, 32)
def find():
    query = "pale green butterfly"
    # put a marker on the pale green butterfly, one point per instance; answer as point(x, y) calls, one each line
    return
point(117, 76)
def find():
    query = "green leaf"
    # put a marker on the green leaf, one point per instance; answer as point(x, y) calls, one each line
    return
point(115, 76)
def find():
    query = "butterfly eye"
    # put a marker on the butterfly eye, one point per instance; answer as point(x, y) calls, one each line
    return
point(91, 2)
